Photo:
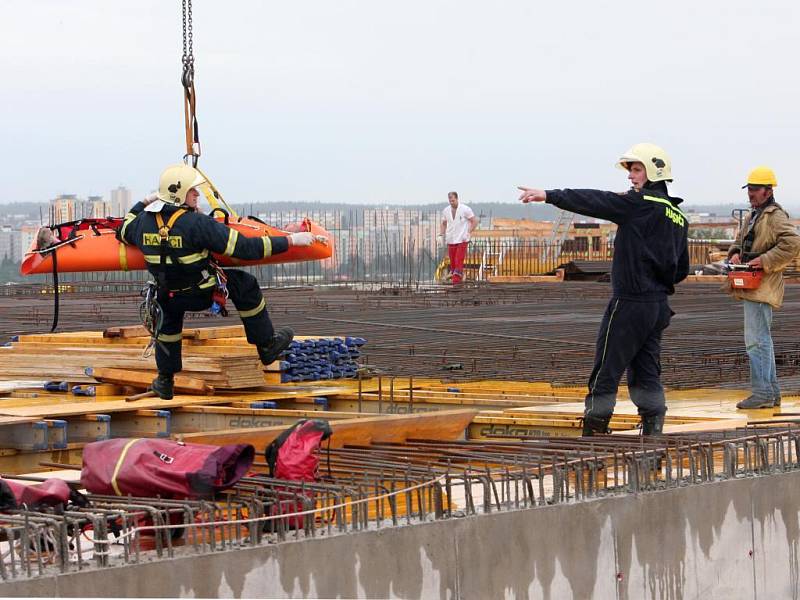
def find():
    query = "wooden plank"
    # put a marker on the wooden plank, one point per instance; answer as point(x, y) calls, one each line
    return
point(207, 418)
point(56, 337)
point(210, 333)
point(142, 423)
point(183, 383)
point(716, 425)
point(16, 384)
point(128, 350)
point(24, 461)
point(126, 331)
point(443, 425)
point(705, 279)
point(200, 333)
point(108, 406)
point(527, 278)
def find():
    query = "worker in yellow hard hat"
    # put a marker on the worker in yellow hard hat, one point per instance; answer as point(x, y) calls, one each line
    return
point(650, 257)
point(767, 241)
point(177, 242)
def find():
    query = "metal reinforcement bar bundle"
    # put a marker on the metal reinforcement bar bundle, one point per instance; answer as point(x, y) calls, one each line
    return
point(323, 358)
point(383, 485)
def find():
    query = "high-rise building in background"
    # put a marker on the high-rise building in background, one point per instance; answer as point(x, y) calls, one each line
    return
point(121, 201)
point(9, 243)
point(64, 208)
point(97, 208)
point(27, 234)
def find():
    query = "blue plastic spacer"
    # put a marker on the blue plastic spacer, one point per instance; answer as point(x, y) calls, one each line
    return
point(264, 404)
point(60, 424)
point(42, 426)
point(168, 429)
point(56, 386)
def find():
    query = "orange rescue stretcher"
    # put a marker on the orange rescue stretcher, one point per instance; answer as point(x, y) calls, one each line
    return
point(92, 245)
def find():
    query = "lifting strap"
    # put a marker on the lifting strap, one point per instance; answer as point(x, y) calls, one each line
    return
point(55, 292)
point(189, 95)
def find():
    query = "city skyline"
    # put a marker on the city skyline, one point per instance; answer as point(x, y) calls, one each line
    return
point(368, 103)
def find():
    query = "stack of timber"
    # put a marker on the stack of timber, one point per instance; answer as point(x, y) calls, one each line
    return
point(73, 357)
point(213, 358)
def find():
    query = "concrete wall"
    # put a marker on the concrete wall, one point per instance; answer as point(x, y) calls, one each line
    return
point(732, 539)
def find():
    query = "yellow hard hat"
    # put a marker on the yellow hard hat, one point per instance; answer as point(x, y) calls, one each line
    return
point(656, 162)
point(761, 176)
point(173, 185)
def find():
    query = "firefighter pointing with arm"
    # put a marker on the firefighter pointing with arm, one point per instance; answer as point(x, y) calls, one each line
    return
point(650, 257)
point(177, 243)
point(768, 241)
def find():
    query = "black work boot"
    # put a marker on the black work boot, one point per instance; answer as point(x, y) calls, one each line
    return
point(754, 401)
point(778, 400)
point(593, 425)
point(280, 341)
point(163, 386)
point(653, 425)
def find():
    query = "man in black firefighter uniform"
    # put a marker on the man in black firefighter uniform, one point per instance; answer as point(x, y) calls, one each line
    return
point(650, 257)
point(186, 276)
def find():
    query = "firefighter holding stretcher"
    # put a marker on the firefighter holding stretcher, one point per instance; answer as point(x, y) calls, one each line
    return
point(177, 242)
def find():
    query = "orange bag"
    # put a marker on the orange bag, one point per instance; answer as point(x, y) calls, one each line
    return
point(745, 280)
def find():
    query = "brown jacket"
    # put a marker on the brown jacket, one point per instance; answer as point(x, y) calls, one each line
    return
point(778, 243)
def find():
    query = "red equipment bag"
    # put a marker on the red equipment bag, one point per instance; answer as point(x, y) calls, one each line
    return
point(53, 492)
point(294, 455)
point(745, 280)
point(153, 467)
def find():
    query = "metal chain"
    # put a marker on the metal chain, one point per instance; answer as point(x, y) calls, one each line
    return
point(188, 52)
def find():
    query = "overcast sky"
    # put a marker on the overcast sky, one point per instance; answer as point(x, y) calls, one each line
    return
point(398, 102)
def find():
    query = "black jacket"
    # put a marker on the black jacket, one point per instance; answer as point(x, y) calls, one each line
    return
point(192, 238)
point(651, 250)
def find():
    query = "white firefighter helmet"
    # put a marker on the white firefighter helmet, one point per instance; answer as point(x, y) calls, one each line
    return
point(173, 185)
point(656, 162)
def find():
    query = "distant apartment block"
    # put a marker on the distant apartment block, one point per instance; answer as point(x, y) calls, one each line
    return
point(97, 208)
point(64, 208)
point(121, 201)
point(27, 235)
point(9, 244)
point(69, 207)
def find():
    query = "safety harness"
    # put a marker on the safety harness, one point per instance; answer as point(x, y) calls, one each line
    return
point(163, 233)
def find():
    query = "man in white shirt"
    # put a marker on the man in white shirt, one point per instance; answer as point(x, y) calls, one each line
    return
point(458, 222)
